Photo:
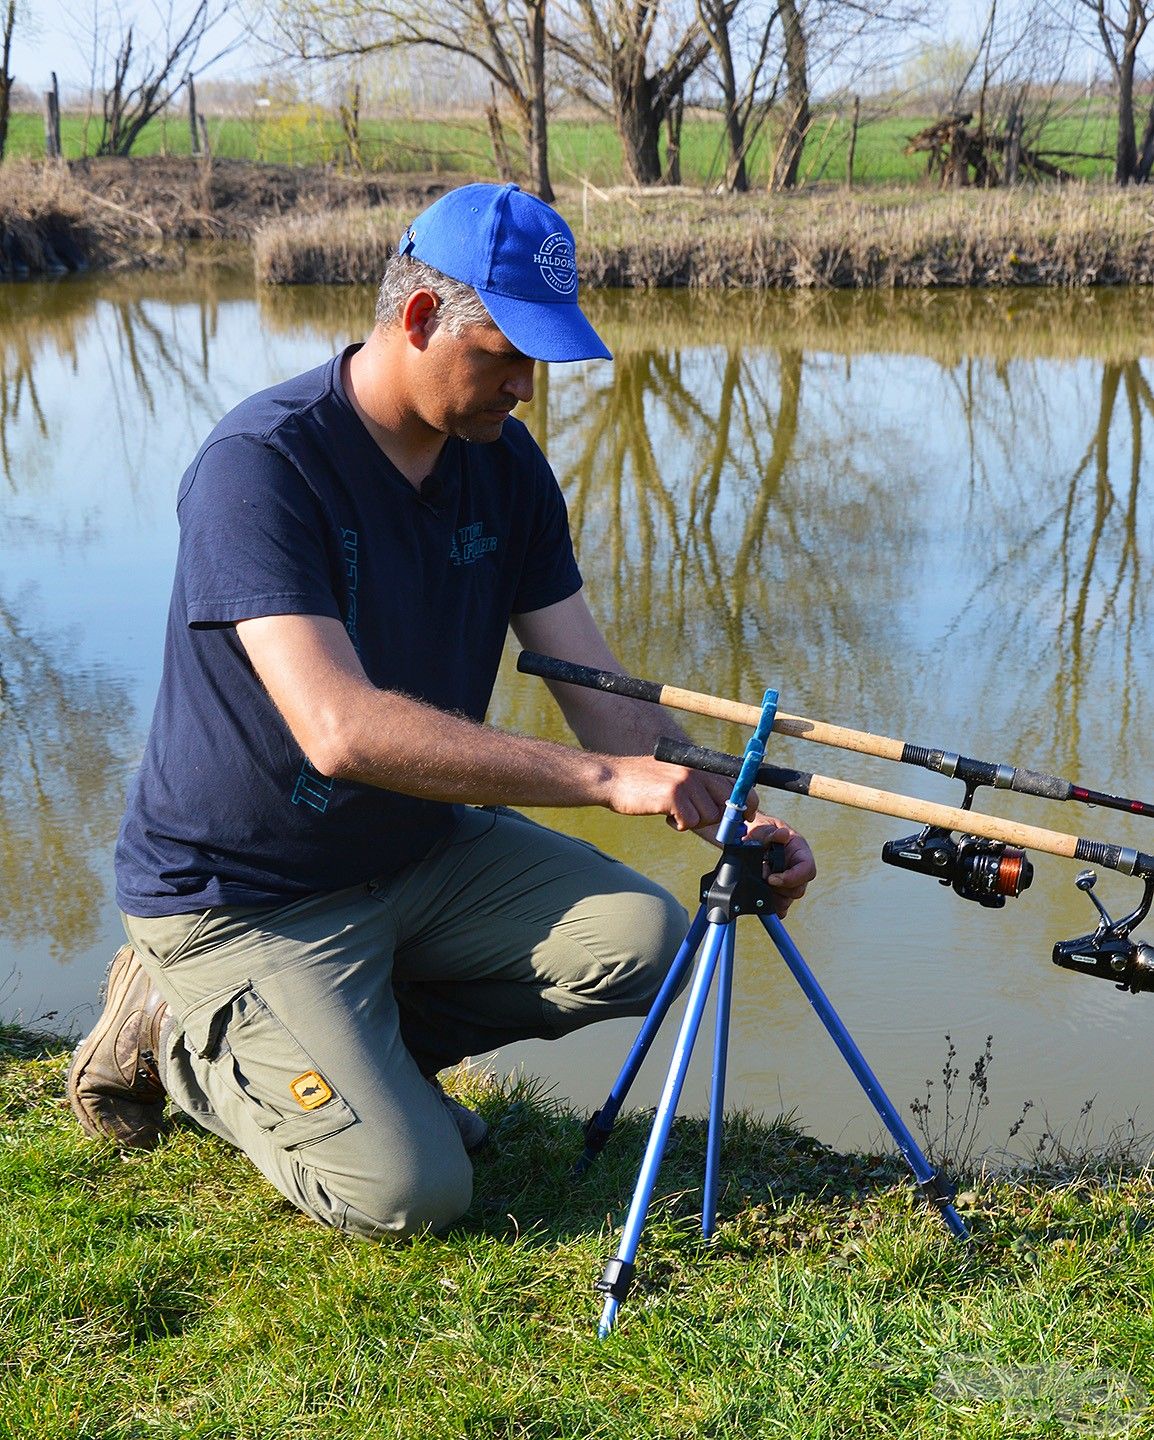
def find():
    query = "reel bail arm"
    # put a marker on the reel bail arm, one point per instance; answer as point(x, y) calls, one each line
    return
point(1109, 953)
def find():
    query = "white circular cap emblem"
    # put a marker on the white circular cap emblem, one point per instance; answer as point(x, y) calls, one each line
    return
point(557, 263)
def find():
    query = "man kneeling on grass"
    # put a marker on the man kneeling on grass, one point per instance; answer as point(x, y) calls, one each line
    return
point(326, 898)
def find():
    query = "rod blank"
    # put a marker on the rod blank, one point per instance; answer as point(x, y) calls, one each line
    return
point(942, 762)
point(906, 807)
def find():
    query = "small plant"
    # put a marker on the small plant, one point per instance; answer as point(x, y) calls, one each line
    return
point(952, 1139)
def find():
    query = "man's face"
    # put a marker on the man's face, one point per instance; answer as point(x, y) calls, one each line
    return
point(473, 381)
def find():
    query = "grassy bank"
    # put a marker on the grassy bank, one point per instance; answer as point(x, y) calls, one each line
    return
point(320, 227)
point(1076, 236)
point(114, 213)
point(174, 1294)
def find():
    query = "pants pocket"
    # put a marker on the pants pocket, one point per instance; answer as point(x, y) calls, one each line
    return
point(263, 1068)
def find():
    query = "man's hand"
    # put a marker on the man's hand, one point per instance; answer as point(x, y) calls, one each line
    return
point(800, 866)
point(695, 800)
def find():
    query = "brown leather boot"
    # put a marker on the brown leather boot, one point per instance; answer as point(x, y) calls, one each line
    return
point(114, 1084)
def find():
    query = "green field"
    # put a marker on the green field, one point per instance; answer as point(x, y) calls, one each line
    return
point(580, 150)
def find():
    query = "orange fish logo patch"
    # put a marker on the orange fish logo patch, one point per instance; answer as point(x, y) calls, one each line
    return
point(310, 1090)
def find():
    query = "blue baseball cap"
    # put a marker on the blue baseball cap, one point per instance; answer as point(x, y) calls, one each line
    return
point(518, 255)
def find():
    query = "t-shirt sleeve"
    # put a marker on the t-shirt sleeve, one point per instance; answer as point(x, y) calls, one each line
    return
point(251, 537)
point(550, 571)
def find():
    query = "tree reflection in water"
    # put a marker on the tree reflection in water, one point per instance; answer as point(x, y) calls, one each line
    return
point(747, 509)
point(66, 737)
point(900, 510)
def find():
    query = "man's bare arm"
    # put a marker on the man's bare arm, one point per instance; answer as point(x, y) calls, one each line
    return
point(614, 724)
point(351, 730)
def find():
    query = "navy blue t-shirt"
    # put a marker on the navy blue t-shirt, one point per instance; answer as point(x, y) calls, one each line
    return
point(290, 508)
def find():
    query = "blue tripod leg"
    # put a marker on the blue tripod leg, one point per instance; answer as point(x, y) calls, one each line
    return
point(717, 1093)
point(614, 1283)
point(934, 1187)
point(601, 1122)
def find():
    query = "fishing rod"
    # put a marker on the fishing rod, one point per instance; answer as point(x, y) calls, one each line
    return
point(1108, 953)
point(972, 773)
point(986, 863)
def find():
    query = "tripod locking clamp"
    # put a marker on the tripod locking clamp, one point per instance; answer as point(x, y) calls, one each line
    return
point(617, 1278)
point(737, 884)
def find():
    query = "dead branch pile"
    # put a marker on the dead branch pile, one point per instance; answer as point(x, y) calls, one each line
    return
point(963, 154)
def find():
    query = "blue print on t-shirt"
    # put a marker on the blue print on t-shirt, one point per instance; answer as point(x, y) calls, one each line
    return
point(469, 544)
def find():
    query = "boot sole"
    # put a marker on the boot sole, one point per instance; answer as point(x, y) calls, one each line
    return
point(116, 984)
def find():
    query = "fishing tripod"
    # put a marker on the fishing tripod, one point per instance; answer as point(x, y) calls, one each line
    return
point(735, 887)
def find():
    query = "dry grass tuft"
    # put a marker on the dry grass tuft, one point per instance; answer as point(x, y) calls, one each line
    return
point(1076, 236)
point(49, 223)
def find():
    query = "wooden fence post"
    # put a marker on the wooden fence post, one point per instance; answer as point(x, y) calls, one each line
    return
point(852, 141)
point(52, 150)
point(193, 126)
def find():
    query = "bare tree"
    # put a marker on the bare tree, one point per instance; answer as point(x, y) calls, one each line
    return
point(768, 57)
point(8, 12)
point(632, 59)
point(739, 101)
point(146, 75)
point(1121, 26)
point(787, 158)
point(506, 38)
point(1006, 101)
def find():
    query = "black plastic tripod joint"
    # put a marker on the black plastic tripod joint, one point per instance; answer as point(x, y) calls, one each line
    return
point(616, 1279)
point(937, 1189)
point(737, 884)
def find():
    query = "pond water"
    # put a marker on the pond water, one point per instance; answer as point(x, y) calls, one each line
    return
point(927, 516)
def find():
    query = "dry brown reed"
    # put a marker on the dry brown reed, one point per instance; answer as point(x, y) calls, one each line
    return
point(1074, 236)
point(349, 248)
point(50, 223)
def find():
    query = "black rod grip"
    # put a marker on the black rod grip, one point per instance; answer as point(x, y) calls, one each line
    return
point(549, 668)
point(717, 762)
point(696, 757)
point(1033, 782)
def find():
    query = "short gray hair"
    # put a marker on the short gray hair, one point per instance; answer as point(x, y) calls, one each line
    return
point(460, 306)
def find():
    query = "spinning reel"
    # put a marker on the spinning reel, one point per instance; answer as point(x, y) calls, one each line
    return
point(983, 870)
point(987, 871)
point(1109, 952)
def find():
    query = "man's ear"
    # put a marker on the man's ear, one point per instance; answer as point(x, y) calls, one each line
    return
point(419, 317)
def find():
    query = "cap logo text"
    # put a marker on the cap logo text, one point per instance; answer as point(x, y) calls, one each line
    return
point(557, 263)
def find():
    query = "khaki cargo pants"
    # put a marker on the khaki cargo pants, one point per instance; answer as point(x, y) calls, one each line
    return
point(303, 1034)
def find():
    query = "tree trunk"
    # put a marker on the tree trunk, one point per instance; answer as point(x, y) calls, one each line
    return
point(1126, 150)
point(852, 150)
point(1013, 155)
point(6, 80)
point(788, 157)
point(497, 138)
point(538, 146)
point(673, 117)
point(193, 126)
point(715, 21)
point(1146, 153)
point(639, 126)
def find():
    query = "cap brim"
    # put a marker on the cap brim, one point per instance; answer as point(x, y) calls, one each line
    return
point(545, 332)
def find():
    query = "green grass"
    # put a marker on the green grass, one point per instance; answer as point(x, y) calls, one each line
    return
point(175, 1294)
point(579, 150)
